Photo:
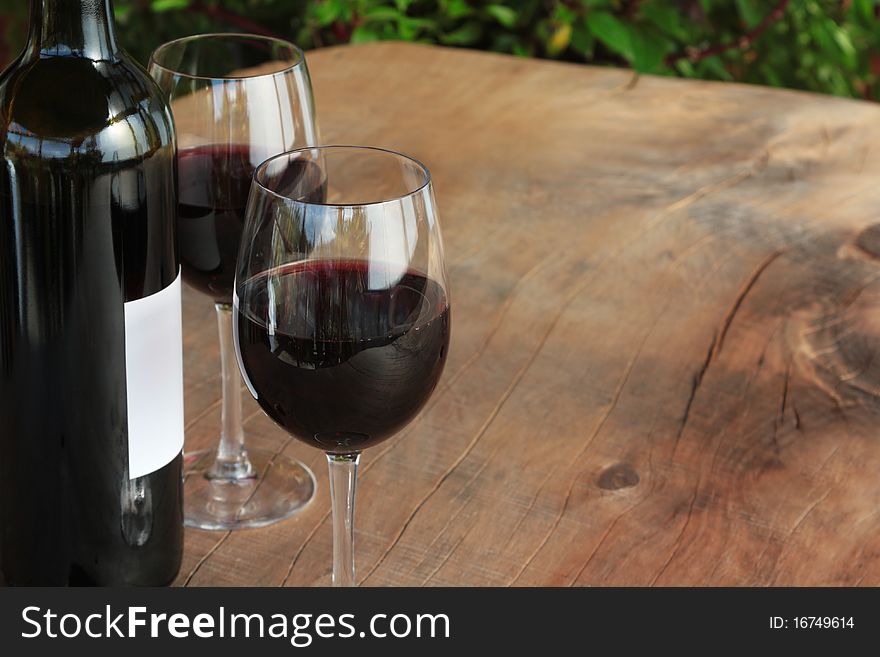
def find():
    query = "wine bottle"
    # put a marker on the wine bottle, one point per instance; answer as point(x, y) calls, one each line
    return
point(91, 384)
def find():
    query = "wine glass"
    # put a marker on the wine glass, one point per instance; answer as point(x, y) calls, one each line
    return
point(342, 307)
point(236, 99)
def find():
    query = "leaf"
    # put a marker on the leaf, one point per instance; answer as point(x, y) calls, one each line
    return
point(771, 76)
point(409, 28)
point(847, 49)
point(422, 23)
point(749, 13)
point(327, 12)
point(363, 34)
point(824, 36)
point(504, 42)
point(685, 68)
point(463, 36)
point(559, 40)
point(458, 9)
point(667, 19)
point(159, 6)
point(649, 49)
point(563, 14)
point(382, 14)
point(839, 84)
point(504, 15)
point(610, 31)
point(864, 9)
point(715, 66)
point(582, 40)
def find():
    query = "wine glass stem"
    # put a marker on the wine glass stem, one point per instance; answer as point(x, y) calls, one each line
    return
point(343, 479)
point(232, 461)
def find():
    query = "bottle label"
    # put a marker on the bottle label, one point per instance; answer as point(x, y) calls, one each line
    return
point(154, 380)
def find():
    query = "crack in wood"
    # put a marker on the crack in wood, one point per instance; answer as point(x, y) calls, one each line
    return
point(448, 556)
point(438, 535)
point(798, 523)
point(780, 417)
point(695, 385)
point(679, 538)
point(302, 548)
point(545, 539)
point(458, 512)
point(741, 296)
point(205, 558)
point(602, 542)
point(700, 193)
point(531, 505)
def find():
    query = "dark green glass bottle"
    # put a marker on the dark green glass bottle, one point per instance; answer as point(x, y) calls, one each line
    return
point(91, 410)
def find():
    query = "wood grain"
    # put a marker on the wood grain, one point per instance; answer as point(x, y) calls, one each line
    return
point(666, 315)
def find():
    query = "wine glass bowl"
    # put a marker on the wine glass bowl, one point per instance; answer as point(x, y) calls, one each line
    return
point(342, 308)
point(237, 99)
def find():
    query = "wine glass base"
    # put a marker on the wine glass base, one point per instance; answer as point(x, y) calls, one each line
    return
point(281, 488)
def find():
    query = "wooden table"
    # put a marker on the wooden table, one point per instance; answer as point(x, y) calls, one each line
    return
point(666, 315)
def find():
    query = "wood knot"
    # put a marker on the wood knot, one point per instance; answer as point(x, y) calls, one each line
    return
point(869, 241)
point(619, 475)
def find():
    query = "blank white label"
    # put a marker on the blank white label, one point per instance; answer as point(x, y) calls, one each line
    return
point(154, 380)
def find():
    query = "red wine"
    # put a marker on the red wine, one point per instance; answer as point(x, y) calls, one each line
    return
point(342, 354)
point(91, 410)
point(214, 182)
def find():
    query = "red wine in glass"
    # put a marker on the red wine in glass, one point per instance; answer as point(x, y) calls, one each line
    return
point(342, 353)
point(214, 182)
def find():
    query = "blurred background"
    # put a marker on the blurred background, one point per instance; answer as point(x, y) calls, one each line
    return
point(828, 46)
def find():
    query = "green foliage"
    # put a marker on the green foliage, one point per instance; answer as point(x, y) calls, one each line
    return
point(831, 46)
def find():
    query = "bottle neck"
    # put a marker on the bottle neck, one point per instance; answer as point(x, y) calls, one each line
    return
point(83, 28)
